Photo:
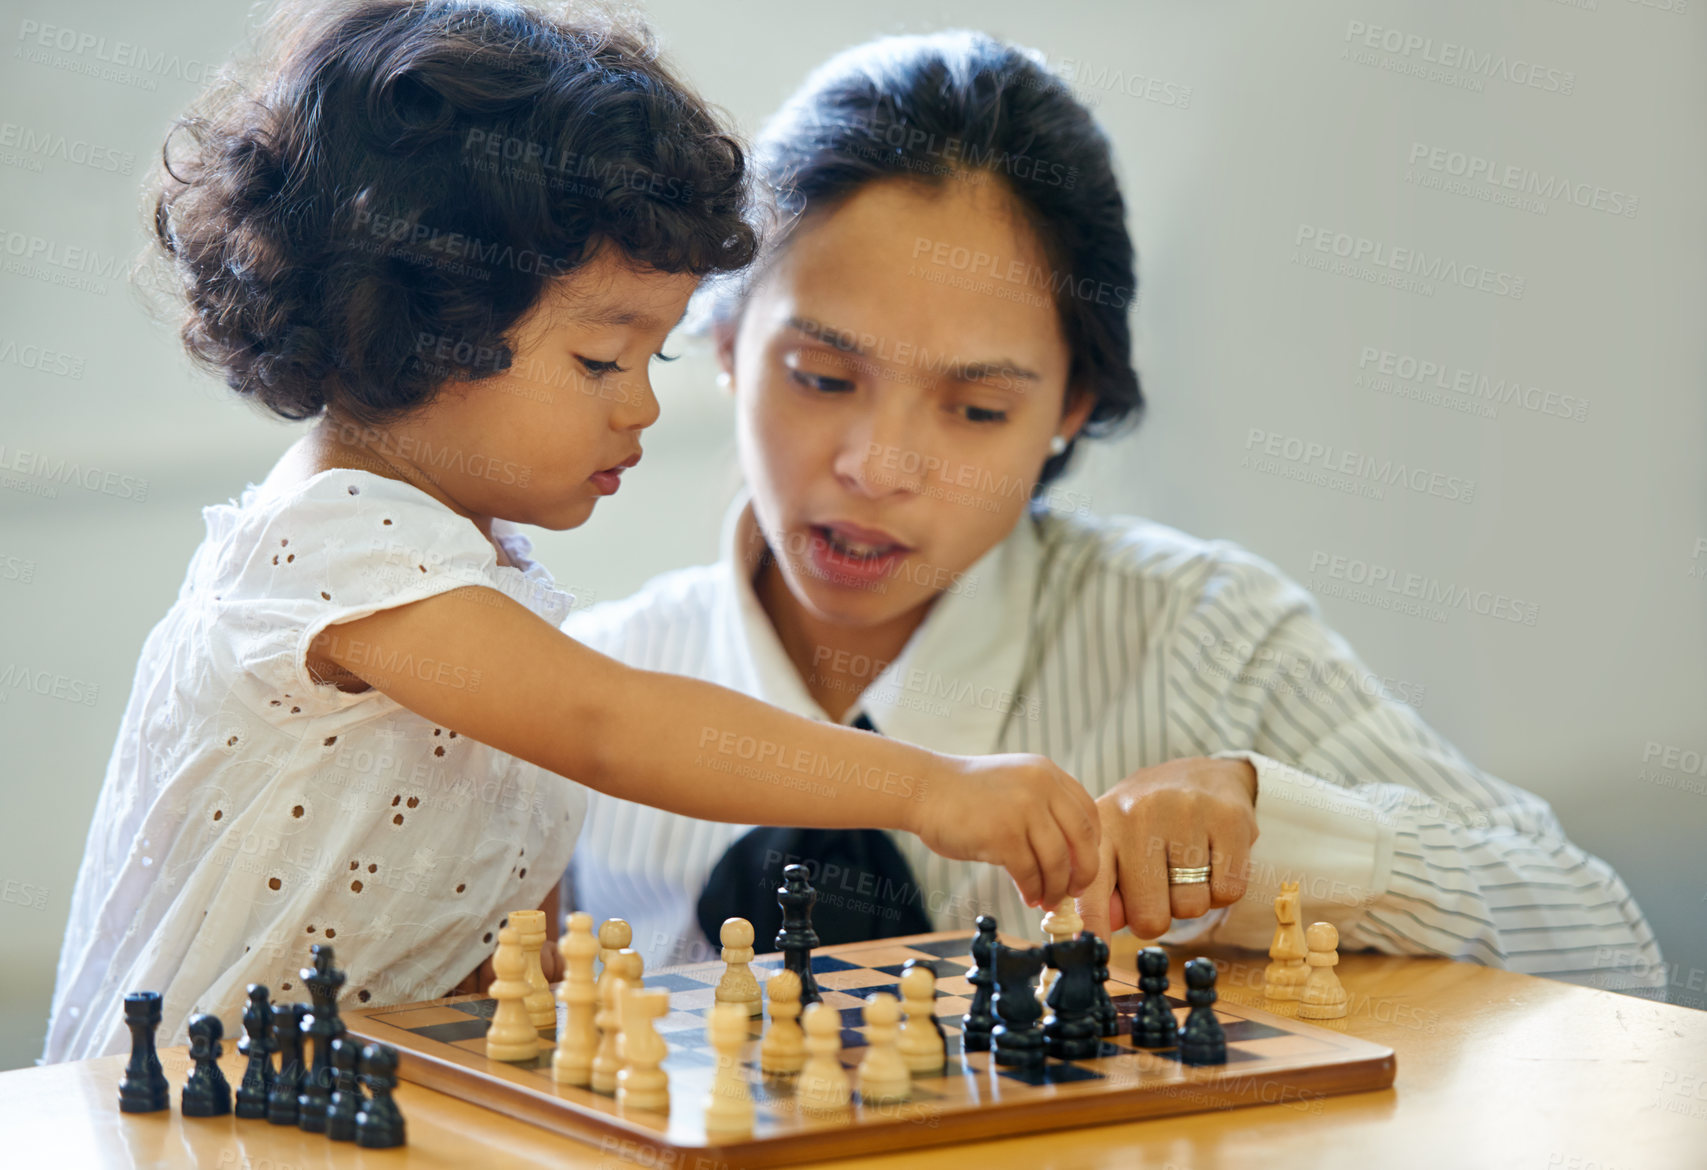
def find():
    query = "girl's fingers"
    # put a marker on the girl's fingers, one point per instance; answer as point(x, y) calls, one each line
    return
point(1022, 867)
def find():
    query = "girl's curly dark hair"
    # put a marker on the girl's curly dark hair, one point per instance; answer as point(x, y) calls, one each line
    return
point(405, 173)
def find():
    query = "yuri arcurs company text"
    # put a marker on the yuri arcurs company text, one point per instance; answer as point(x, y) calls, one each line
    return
point(777, 763)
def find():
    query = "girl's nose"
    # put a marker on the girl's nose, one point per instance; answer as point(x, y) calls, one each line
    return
point(636, 405)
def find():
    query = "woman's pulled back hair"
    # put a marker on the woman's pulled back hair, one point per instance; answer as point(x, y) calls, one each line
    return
point(364, 215)
point(952, 106)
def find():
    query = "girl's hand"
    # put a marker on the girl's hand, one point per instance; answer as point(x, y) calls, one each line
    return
point(1020, 812)
point(1187, 812)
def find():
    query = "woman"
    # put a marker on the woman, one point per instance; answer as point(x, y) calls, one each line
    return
point(938, 316)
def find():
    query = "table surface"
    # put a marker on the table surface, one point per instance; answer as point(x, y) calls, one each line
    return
point(1494, 1069)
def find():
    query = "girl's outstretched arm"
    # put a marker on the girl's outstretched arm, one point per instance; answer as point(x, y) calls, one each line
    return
point(477, 661)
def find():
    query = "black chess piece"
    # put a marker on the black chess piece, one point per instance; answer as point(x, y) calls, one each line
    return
point(320, 1026)
point(1154, 1025)
point(1072, 1030)
point(257, 1045)
point(1202, 1040)
point(143, 1089)
point(1017, 1037)
point(287, 1042)
point(1107, 1017)
point(206, 1092)
point(975, 1025)
point(379, 1124)
point(797, 938)
point(347, 1100)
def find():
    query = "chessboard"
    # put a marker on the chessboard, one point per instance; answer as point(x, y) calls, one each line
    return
point(1271, 1059)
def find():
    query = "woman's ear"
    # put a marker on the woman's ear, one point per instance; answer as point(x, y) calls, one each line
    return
point(1077, 409)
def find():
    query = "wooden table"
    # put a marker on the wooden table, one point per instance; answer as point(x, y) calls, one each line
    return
point(1495, 1070)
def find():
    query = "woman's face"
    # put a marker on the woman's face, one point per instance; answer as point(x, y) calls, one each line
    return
point(899, 373)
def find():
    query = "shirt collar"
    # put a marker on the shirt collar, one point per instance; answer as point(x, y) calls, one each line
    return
point(953, 684)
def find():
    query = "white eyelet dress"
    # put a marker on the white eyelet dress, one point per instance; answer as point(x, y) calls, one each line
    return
point(249, 812)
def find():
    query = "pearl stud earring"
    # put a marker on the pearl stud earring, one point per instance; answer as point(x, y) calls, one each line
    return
point(1057, 445)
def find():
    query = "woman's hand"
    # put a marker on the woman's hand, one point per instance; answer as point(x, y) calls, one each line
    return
point(1020, 812)
point(1188, 812)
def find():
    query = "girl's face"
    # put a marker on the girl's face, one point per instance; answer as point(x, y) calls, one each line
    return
point(899, 373)
point(546, 439)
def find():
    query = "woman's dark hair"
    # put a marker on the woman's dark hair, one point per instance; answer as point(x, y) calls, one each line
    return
point(957, 105)
point(367, 218)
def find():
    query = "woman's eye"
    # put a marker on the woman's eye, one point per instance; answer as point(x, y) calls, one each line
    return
point(822, 384)
point(980, 414)
point(597, 368)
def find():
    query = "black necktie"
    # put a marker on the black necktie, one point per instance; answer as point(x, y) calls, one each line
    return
point(866, 889)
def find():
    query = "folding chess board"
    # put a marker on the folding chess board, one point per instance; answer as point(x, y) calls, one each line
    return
point(1270, 1059)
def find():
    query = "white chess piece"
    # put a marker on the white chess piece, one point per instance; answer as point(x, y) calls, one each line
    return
point(824, 1085)
point(1324, 998)
point(783, 1049)
point(1062, 925)
point(641, 1083)
point(1284, 977)
point(614, 935)
point(729, 1105)
point(883, 1075)
point(738, 984)
point(921, 1044)
point(607, 1060)
point(511, 1035)
point(530, 929)
point(572, 1063)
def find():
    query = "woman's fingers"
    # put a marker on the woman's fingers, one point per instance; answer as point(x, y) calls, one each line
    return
point(1189, 850)
point(1230, 859)
point(1098, 901)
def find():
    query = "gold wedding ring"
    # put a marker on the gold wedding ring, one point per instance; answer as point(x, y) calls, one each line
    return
point(1196, 875)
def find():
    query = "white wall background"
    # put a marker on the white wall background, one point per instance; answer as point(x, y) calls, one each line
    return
point(1598, 523)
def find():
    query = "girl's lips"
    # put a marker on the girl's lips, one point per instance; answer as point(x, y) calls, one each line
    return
point(607, 481)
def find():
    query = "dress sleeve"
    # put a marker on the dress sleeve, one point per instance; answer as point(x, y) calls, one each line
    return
point(1395, 837)
point(348, 544)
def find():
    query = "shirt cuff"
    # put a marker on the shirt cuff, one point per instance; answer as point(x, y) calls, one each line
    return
point(1331, 840)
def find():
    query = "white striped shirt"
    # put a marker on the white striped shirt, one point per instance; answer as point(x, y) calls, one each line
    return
point(1115, 645)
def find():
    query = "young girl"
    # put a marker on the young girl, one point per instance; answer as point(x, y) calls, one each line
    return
point(454, 234)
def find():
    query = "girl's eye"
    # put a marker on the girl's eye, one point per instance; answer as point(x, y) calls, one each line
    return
point(598, 369)
point(980, 414)
point(666, 357)
point(821, 383)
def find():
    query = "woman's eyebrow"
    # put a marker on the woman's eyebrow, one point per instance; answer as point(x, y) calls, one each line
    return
point(964, 371)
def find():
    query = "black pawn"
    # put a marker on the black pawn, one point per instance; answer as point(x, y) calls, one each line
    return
point(143, 1089)
point(1202, 1040)
point(257, 1045)
point(320, 1026)
point(1018, 1038)
point(1072, 1030)
point(979, 1018)
point(347, 1100)
point(1107, 1017)
point(379, 1124)
point(797, 938)
point(206, 1092)
point(287, 1042)
point(1154, 1026)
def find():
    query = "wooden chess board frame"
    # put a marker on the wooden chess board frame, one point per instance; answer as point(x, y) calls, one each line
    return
point(1272, 1059)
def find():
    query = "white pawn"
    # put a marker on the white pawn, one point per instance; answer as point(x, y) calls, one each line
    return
point(572, 1063)
point(1323, 998)
point(729, 1106)
point(511, 1035)
point(738, 984)
point(883, 1075)
point(1062, 925)
point(607, 1061)
point(641, 1083)
point(530, 929)
point(921, 1044)
point(614, 935)
point(824, 1085)
point(783, 1049)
